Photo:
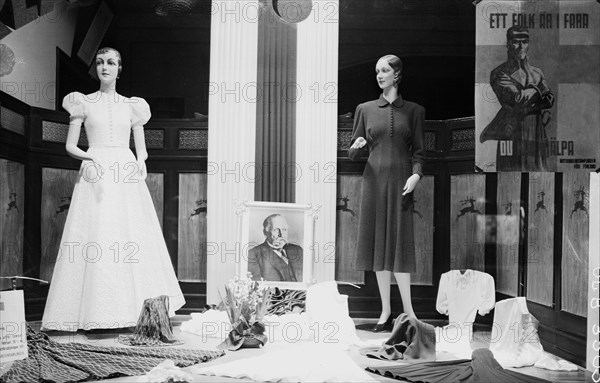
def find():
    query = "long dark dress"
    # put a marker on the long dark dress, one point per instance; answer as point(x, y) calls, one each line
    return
point(394, 134)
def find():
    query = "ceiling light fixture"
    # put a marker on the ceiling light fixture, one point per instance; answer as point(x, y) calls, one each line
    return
point(175, 7)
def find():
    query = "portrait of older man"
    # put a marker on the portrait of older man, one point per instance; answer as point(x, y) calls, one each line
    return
point(276, 259)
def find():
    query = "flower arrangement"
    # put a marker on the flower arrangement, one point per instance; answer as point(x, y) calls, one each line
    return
point(246, 302)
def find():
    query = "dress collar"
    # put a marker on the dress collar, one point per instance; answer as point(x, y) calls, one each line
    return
point(464, 281)
point(398, 103)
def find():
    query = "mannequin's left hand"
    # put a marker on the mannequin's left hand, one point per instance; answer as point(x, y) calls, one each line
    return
point(142, 172)
point(411, 182)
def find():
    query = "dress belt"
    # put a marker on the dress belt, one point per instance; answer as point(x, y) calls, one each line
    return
point(109, 146)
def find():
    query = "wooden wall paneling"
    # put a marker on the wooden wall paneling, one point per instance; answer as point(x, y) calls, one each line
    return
point(12, 187)
point(467, 222)
point(191, 264)
point(575, 243)
point(35, 293)
point(540, 238)
point(508, 226)
point(57, 189)
point(423, 227)
point(11, 120)
point(156, 186)
point(346, 236)
point(441, 243)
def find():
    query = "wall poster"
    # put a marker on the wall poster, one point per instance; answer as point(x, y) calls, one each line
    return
point(537, 86)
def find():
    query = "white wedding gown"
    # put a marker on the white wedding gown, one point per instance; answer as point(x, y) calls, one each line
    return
point(112, 253)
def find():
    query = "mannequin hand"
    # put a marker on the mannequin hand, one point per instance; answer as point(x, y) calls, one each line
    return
point(95, 163)
point(142, 171)
point(411, 182)
point(359, 143)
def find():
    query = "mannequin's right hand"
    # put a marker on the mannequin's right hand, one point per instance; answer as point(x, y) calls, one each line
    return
point(359, 143)
point(95, 163)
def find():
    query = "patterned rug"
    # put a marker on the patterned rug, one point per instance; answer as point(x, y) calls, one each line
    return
point(50, 361)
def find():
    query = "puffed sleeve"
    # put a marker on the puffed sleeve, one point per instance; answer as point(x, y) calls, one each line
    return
point(75, 105)
point(357, 131)
point(418, 144)
point(488, 294)
point(442, 297)
point(140, 112)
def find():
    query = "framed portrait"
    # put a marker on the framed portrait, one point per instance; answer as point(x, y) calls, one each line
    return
point(276, 241)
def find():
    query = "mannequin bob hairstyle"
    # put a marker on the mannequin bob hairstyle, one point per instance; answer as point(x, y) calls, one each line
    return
point(109, 49)
point(396, 64)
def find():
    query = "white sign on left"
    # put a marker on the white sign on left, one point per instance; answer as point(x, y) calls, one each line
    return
point(13, 328)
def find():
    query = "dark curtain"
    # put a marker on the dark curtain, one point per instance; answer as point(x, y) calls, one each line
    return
point(275, 169)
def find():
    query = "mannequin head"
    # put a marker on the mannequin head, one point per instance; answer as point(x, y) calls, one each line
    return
point(389, 71)
point(108, 65)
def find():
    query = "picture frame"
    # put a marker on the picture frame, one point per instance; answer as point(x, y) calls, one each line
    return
point(256, 243)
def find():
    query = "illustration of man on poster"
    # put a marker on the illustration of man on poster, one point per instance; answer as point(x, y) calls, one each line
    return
point(524, 96)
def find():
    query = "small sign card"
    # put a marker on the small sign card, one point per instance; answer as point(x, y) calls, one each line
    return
point(13, 328)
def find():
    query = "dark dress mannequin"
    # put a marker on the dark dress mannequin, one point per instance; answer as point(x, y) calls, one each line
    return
point(394, 134)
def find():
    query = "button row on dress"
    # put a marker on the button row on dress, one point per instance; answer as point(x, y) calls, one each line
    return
point(391, 121)
point(110, 121)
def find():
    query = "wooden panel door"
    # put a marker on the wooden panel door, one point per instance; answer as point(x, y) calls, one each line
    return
point(508, 229)
point(467, 222)
point(540, 245)
point(191, 261)
point(12, 187)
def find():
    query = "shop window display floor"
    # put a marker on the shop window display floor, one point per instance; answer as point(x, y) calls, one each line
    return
point(192, 341)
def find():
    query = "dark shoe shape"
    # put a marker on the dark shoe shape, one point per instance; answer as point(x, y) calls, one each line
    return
point(382, 327)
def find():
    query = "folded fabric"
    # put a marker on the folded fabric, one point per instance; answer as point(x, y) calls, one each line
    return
point(550, 363)
point(153, 327)
point(51, 361)
point(212, 323)
point(428, 372)
point(483, 368)
point(328, 315)
point(411, 339)
point(285, 301)
point(289, 328)
point(515, 341)
point(167, 371)
point(455, 340)
point(295, 363)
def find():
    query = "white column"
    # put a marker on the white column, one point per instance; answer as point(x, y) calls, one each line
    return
point(231, 133)
point(593, 317)
point(316, 126)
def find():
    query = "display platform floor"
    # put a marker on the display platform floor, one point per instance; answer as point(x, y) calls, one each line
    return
point(192, 341)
